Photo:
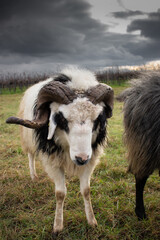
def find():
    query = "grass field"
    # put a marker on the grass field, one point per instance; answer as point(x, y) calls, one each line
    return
point(27, 208)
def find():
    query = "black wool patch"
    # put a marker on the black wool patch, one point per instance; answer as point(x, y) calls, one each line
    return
point(61, 122)
point(100, 122)
point(45, 145)
point(62, 78)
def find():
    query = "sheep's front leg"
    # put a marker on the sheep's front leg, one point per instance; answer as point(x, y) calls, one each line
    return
point(85, 191)
point(32, 167)
point(58, 221)
point(57, 175)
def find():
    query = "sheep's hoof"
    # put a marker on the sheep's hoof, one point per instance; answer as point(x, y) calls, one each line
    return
point(56, 231)
point(140, 214)
point(34, 178)
point(54, 235)
point(93, 222)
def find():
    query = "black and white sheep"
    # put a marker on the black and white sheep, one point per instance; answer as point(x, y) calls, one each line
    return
point(142, 131)
point(64, 122)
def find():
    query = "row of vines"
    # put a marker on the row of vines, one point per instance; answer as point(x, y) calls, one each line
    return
point(11, 83)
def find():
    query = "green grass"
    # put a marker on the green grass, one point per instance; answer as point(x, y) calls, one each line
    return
point(6, 91)
point(27, 208)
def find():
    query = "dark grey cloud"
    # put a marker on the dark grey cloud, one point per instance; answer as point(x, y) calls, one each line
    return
point(39, 34)
point(46, 27)
point(148, 46)
point(61, 31)
point(147, 49)
point(149, 27)
point(127, 14)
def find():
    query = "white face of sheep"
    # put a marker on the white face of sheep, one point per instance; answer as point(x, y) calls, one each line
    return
point(76, 120)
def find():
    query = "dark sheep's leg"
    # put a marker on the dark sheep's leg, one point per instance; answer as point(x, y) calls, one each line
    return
point(140, 210)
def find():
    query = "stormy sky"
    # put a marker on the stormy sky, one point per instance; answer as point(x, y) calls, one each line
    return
point(46, 35)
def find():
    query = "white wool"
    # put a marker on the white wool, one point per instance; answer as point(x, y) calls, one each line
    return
point(80, 79)
point(80, 110)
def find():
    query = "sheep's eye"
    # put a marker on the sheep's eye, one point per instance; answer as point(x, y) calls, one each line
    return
point(61, 122)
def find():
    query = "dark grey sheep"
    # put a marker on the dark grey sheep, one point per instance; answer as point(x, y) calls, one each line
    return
point(142, 131)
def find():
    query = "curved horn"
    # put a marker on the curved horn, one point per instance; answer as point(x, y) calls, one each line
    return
point(52, 92)
point(25, 123)
point(102, 93)
point(55, 92)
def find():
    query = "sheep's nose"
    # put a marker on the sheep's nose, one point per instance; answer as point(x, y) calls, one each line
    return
point(82, 159)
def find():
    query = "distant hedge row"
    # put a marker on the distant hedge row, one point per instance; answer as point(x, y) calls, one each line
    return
point(115, 75)
point(12, 82)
